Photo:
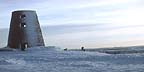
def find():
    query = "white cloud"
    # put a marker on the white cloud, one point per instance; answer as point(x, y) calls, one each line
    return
point(72, 11)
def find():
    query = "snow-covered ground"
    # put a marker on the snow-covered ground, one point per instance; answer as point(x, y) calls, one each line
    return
point(57, 60)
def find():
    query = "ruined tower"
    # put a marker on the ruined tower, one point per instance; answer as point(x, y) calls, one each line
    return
point(25, 30)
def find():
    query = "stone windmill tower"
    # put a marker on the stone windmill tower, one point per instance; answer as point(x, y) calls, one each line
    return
point(25, 30)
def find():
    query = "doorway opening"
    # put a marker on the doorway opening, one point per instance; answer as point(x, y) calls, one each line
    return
point(24, 46)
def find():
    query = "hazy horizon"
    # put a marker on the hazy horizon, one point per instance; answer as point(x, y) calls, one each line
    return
point(75, 36)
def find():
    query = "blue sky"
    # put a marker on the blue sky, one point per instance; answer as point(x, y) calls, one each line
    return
point(89, 23)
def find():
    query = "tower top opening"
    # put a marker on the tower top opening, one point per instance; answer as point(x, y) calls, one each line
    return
point(24, 11)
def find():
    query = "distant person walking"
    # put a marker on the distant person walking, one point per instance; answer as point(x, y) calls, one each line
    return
point(82, 48)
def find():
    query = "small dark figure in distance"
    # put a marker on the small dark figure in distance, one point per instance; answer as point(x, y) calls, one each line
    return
point(82, 48)
point(65, 49)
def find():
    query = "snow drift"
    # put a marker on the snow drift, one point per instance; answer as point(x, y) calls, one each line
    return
point(56, 60)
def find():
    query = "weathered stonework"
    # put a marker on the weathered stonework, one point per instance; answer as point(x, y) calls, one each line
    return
point(25, 30)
